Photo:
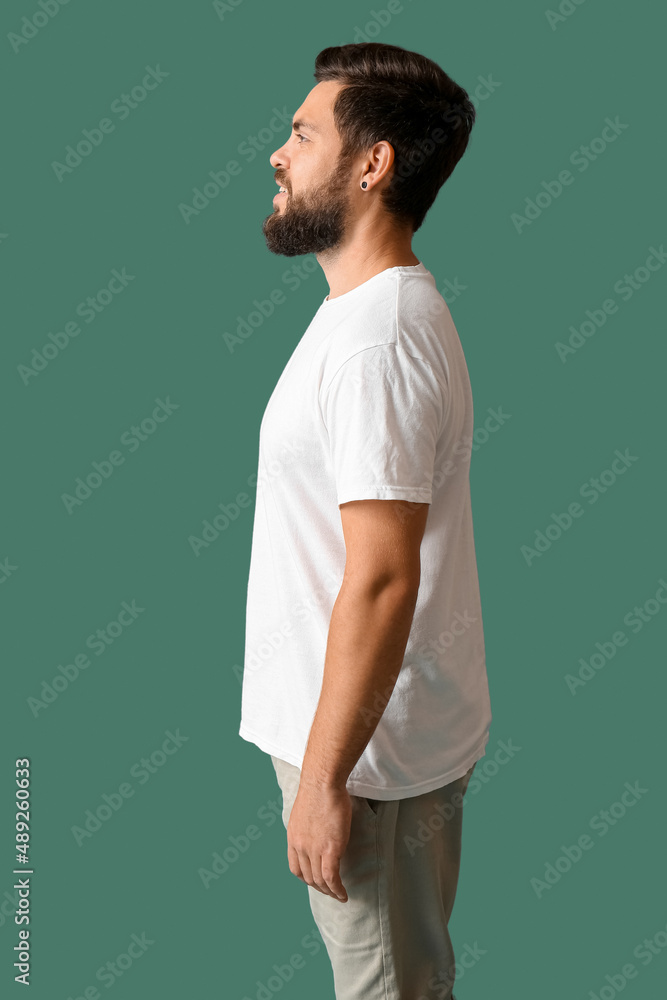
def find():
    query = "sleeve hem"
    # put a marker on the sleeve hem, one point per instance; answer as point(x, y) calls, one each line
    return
point(416, 494)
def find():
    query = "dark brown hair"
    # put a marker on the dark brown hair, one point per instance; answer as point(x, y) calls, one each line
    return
point(403, 98)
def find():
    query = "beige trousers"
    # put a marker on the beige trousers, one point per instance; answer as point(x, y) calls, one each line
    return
point(390, 940)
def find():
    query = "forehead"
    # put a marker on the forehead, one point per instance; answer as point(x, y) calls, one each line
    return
point(316, 111)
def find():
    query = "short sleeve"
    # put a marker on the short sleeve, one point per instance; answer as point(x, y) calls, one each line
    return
point(383, 412)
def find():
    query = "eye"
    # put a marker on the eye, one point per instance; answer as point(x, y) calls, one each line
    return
point(300, 136)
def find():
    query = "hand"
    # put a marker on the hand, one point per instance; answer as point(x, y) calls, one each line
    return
point(317, 835)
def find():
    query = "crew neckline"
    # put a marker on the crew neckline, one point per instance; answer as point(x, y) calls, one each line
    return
point(419, 268)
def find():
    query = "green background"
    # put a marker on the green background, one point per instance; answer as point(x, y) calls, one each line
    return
point(176, 667)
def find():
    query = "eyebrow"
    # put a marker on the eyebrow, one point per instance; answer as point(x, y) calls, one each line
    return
point(298, 125)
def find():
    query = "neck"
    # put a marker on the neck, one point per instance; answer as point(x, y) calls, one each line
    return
point(348, 266)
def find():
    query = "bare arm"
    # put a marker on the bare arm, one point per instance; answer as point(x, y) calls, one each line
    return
point(368, 632)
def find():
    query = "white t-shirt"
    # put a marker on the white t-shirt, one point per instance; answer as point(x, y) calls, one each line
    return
point(374, 403)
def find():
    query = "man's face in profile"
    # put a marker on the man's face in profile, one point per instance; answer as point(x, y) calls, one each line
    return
point(314, 213)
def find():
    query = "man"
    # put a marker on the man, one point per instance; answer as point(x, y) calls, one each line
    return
point(365, 676)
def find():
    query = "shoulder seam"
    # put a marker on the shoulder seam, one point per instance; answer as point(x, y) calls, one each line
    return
point(443, 388)
point(371, 347)
point(417, 356)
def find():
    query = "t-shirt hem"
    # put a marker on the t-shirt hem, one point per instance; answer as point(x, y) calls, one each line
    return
point(268, 747)
point(382, 794)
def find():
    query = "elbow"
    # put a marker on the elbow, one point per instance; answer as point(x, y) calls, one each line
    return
point(398, 588)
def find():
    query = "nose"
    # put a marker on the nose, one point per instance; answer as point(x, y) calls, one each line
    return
point(278, 158)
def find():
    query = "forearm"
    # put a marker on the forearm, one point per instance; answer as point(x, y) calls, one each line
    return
point(368, 633)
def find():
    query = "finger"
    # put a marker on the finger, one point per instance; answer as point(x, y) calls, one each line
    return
point(331, 876)
point(316, 879)
point(300, 866)
point(319, 882)
point(306, 868)
point(294, 863)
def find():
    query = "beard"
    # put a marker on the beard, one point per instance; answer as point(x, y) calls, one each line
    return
point(313, 221)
